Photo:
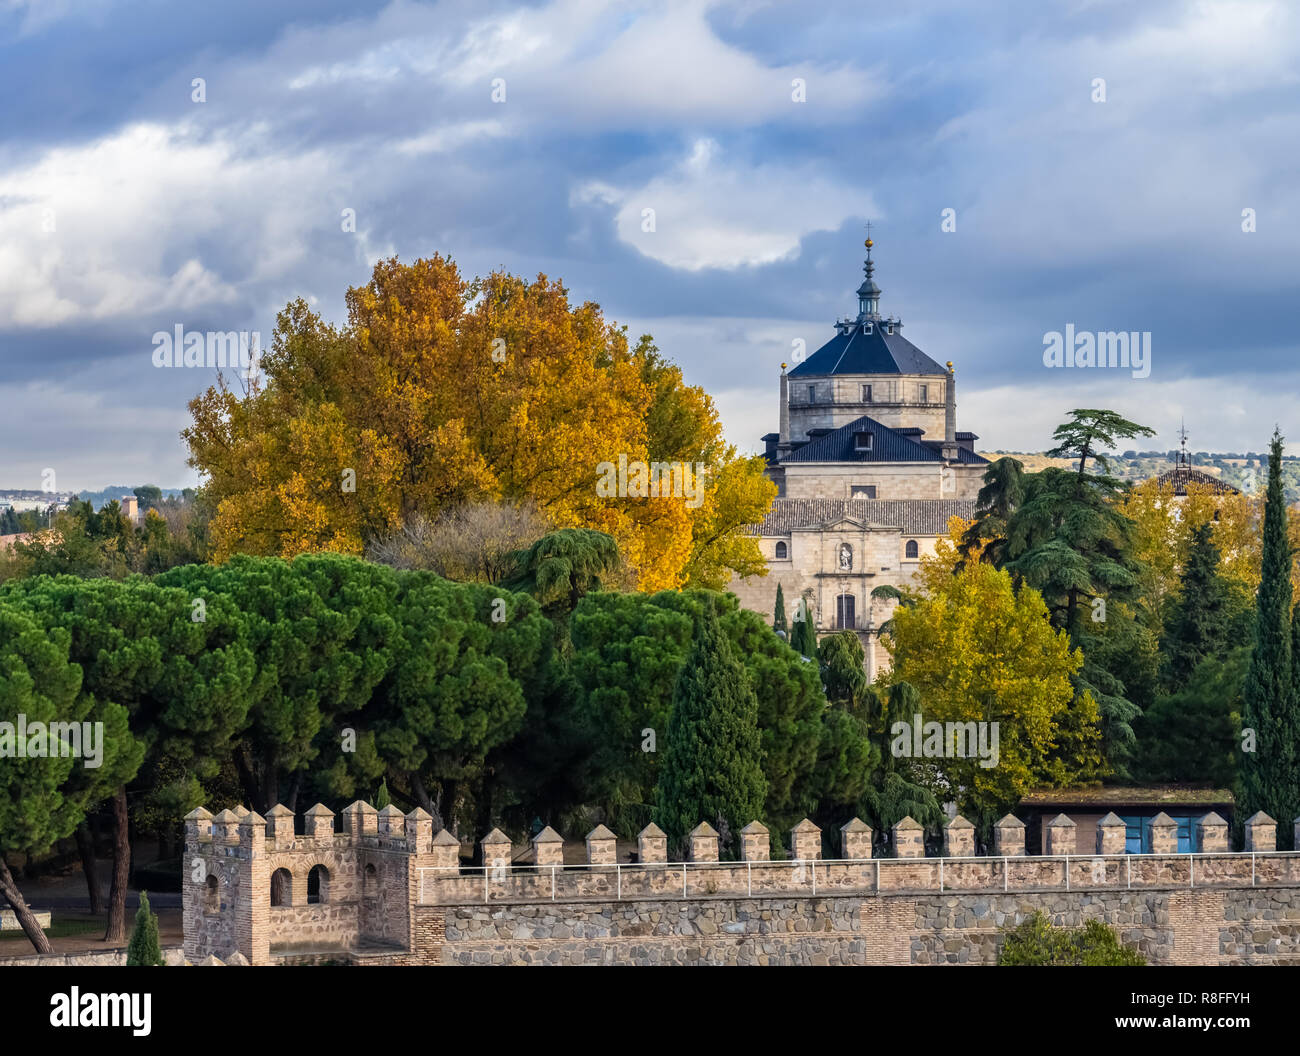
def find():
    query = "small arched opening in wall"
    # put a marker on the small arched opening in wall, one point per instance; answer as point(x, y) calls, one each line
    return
point(913, 550)
point(369, 881)
point(318, 885)
point(282, 888)
point(211, 895)
point(782, 552)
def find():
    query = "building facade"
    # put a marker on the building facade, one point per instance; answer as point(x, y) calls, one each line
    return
point(869, 467)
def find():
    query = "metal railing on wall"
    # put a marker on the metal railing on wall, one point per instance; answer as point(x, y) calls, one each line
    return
point(800, 877)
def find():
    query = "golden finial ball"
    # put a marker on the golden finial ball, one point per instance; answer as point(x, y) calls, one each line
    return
point(868, 243)
point(783, 366)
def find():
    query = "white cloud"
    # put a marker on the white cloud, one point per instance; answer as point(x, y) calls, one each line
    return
point(711, 213)
point(130, 215)
point(450, 137)
point(605, 63)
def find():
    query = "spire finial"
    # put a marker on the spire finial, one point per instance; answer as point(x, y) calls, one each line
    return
point(869, 292)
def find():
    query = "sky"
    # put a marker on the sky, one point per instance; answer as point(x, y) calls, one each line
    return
point(1105, 165)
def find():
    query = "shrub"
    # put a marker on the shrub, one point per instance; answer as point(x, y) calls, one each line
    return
point(1037, 942)
point(144, 948)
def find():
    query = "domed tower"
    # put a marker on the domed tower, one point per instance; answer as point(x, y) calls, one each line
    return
point(868, 368)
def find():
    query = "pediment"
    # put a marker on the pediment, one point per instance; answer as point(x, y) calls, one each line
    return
point(852, 524)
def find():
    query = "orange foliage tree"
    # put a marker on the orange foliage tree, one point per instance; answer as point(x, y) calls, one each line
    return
point(441, 390)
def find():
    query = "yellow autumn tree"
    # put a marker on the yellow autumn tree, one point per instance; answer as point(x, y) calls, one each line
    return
point(979, 651)
point(440, 391)
point(936, 568)
point(1163, 527)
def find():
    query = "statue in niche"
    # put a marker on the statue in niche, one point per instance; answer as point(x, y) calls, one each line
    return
point(846, 557)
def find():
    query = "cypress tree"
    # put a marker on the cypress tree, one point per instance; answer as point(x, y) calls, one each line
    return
point(1201, 623)
point(712, 767)
point(778, 617)
point(144, 948)
point(803, 639)
point(1269, 779)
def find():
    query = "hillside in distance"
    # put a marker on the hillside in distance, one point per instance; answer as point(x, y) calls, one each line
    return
point(1245, 471)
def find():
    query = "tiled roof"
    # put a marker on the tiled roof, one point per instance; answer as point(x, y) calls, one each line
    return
point(1181, 476)
point(1120, 795)
point(910, 516)
point(875, 353)
point(887, 445)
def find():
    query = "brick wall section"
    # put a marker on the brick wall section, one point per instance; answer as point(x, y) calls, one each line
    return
point(1196, 918)
point(887, 925)
point(430, 935)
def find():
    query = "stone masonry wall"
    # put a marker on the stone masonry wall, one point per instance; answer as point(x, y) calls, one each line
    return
point(1167, 927)
point(396, 894)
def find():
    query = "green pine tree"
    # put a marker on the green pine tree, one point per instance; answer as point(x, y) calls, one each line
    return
point(1194, 733)
point(1062, 532)
point(778, 618)
point(1201, 622)
point(1269, 779)
point(144, 948)
point(712, 767)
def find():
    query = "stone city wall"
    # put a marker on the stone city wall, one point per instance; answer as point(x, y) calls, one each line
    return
point(394, 893)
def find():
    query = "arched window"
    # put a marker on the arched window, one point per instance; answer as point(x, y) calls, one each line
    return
point(781, 552)
point(845, 619)
point(281, 888)
point(912, 551)
point(211, 895)
point(318, 884)
point(369, 882)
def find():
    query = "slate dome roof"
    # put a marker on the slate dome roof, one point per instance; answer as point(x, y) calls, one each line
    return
point(870, 344)
point(878, 352)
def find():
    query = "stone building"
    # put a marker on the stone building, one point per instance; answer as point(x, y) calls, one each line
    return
point(869, 467)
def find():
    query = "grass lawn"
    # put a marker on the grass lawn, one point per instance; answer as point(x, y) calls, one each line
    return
point(58, 929)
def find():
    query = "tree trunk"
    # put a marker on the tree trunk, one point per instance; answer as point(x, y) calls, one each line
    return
point(121, 869)
point(86, 845)
point(246, 778)
point(270, 783)
point(451, 795)
point(425, 800)
point(294, 787)
point(19, 905)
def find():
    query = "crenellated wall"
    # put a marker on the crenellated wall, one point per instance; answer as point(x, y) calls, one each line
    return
point(393, 892)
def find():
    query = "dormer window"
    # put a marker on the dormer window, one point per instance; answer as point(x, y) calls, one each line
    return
point(862, 441)
point(866, 328)
point(889, 328)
